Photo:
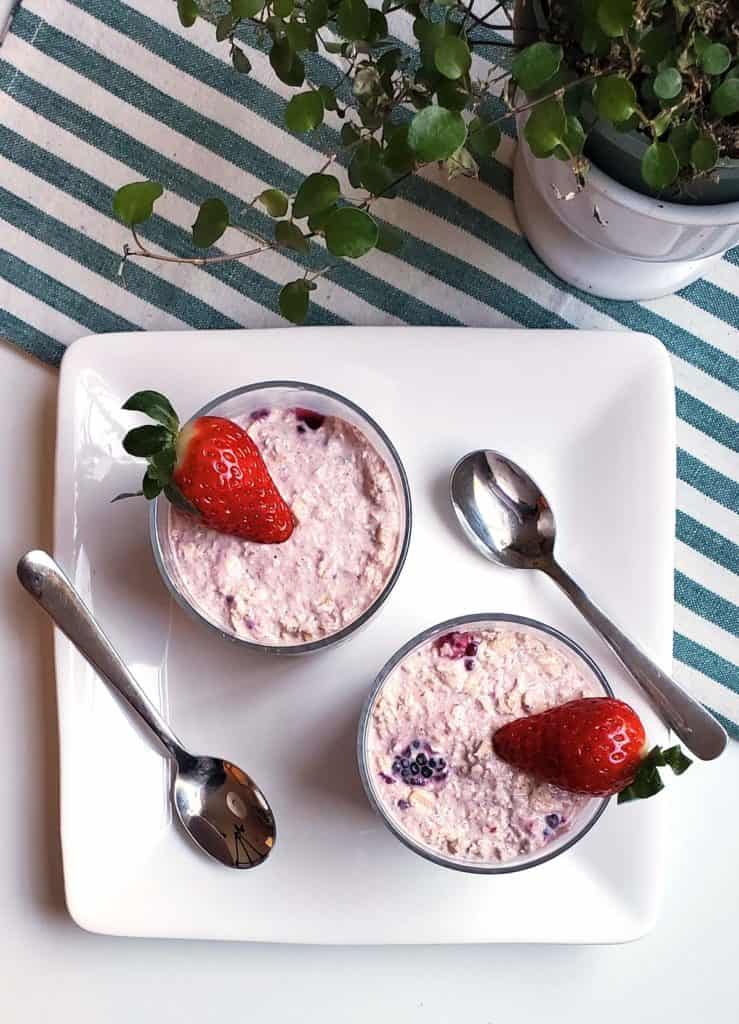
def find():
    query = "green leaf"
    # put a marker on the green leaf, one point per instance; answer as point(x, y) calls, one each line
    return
point(534, 66)
point(725, 99)
point(351, 232)
point(317, 220)
point(127, 494)
point(224, 26)
point(328, 96)
point(353, 19)
point(436, 133)
point(316, 14)
point(704, 153)
point(304, 112)
point(145, 441)
point(452, 57)
point(349, 134)
point(656, 44)
point(246, 8)
point(316, 193)
point(660, 166)
point(294, 299)
point(187, 11)
point(647, 781)
point(645, 785)
point(274, 201)
point(240, 61)
point(461, 163)
point(546, 127)
point(377, 26)
point(615, 98)
point(716, 58)
point(156, 406)
point(161, 464)
point(283, 8)
point(676, 759)
point(211, 222)
point(399, 156)
point(301, 37)
point(681, 139)
point(615, 16)
point(573, 142)
point(661, 123)
point(290, 235)
point(286, 64)
point(701, 42)
point(452, 95)
point(668, 84)
point(483, 139)
point(151, 485)
point(389, 239)
point(276, 27)
point(134, 203)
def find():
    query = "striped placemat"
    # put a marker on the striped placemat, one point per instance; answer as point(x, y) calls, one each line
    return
point(94, 94)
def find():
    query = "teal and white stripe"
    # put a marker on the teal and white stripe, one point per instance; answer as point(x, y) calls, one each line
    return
point(95, 94)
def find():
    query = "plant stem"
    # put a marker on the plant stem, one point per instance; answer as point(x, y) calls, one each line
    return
point(198, 261)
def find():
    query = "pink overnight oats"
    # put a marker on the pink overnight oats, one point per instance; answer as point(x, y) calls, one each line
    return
point(342, 552)
point(429, 742)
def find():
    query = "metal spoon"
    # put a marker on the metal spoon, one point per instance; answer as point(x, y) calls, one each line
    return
point(509, 520)
point(220, 807)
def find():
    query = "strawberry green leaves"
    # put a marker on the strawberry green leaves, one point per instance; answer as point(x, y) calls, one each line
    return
point(134, 203)
point(145, 441)
point(436, 133)
point(156, 406)
point(211, 222)
point(648, 781)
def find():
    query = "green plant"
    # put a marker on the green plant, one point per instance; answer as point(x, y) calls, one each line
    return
point(668, 68)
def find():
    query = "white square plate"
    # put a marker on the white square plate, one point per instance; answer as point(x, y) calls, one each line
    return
point(589, 414)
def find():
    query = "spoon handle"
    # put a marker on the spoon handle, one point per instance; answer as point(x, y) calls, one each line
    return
point(696, 727)
point(45, 581)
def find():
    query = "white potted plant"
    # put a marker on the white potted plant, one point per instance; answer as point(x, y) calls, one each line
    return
point(626, 180)
point(645, 193)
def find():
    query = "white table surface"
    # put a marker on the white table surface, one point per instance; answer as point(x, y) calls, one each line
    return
point(51, 970)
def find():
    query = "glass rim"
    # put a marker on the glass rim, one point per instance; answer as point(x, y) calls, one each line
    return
point(405, 496)
point(424, 636)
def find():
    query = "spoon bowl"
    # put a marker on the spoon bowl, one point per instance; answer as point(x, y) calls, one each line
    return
point(506, 516)
point(221, 808)
point(502, 510)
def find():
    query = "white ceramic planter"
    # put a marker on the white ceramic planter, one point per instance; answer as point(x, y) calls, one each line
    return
point(634, 247)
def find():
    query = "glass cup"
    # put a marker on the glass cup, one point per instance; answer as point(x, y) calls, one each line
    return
point(287, 394)
point(585, 818)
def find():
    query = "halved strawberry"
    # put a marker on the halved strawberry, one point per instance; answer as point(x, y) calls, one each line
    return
point(210, 468)
point(593, 745)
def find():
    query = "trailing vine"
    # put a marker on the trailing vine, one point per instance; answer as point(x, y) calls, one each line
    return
point(666, 68)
